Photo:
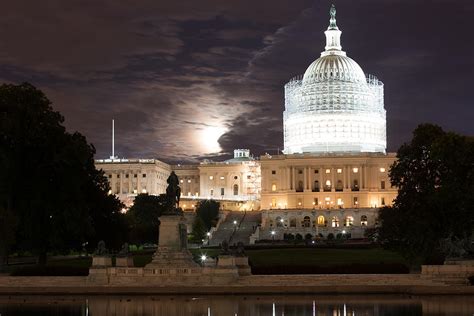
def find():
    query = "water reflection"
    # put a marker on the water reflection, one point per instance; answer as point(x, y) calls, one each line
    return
point(370, 305)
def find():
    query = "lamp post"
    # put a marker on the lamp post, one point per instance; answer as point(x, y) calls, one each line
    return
point(273, 236)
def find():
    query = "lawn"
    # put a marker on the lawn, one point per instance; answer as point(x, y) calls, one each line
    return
point(263, 261)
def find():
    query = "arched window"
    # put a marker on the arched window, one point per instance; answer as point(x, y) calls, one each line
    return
point(327, 186)
point(349, 221)
point(236, 189)
point(321, 220)
point(306, 221)
point(335, 221)
point(274, 187)
point(363, 220)
point(339, 185)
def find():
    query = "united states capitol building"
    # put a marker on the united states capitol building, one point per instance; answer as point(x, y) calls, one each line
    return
point(332, 177)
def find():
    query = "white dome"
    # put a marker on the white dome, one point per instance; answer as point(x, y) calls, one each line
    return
point(334, 67)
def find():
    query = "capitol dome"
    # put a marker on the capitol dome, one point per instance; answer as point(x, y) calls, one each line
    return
point(334, 67)
point(334, 107)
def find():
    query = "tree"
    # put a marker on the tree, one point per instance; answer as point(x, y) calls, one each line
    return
point(144, 216)
point(49, 181)
point(199, 230)
point(7, 234)
point(208, 211)
point(434, 174)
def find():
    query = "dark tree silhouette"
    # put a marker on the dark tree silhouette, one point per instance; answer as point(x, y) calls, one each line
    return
point(434, 174)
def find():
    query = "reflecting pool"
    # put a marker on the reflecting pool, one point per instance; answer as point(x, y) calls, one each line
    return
point(304, 305)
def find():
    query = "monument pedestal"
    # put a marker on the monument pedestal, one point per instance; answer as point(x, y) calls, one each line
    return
point(172, 249)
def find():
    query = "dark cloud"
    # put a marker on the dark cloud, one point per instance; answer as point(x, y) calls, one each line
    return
point(175, 75)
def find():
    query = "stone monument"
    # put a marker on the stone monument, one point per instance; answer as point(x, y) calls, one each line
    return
point(172, 249)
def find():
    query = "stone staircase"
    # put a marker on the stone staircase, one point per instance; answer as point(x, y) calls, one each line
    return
point(237, 227)
point(247, 226)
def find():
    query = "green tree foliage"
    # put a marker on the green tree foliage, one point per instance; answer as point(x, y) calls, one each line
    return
point(143, 217)
point(208, 211)
point(199, 230)
point(49, 181)
point(434, 174)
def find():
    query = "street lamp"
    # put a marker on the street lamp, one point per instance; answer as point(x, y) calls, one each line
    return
point(273, 235)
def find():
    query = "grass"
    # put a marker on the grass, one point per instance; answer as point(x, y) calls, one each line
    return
point(263, 261)
point(322, 257)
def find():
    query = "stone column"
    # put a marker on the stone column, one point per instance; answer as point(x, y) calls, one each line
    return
point(365, 177)
point(310, 183)
point(292, 178)
point(305, 180)
point(321, 184)
point(333, 177)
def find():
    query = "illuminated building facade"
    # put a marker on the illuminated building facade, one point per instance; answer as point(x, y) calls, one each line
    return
point(333, 176)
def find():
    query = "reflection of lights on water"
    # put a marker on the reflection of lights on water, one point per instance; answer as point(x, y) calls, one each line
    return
point(209, 311)
point(345, 311)
point(87, 307)
point(274, 311)
point(314, 308)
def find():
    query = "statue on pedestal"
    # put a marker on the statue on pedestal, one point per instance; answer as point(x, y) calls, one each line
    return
point(173, 193)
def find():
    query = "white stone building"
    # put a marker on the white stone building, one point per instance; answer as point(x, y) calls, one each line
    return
point(334, 174)
point(129, 177)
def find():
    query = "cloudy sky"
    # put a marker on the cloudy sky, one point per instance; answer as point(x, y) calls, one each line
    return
point(188, 79)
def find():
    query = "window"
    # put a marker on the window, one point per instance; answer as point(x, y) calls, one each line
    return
point(274, 203)
point(300, 186)
point(181, 180)
point(126, 176)
point(235, 177)
point(339, 170)
point(382, 169)
point(222, 191)
point(189, 181)
point(363, 220)
point(279, 221)
point(118, 176)
point(321, 220)
point(212, 192)
point(211, 177)
point(349, 221)
point(274, 172)
point(355, 170)
point(382, 201)
point(222, 178)
point(144, 175)
point(327, 186)
point(236, 189)
point(316, 186)
point(300, 171)
point(249, 177)
point(356, 200)
point(292, 222)
point(316, 171)
point(382, 185)
point(335, 222)
point(328, 170)
point(306, 221)
point(340, 202)
point(355, 185)
point(339, 186)
point(315, 201)
point(274, 187)
point(110, 176)
point(135, 175)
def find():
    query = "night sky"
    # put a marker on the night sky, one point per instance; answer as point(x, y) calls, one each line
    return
point(191, 79)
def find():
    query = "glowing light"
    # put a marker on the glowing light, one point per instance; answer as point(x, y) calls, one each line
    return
point(208, 138)
point(355, 170)
point(382, 169)
point(203, 258)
